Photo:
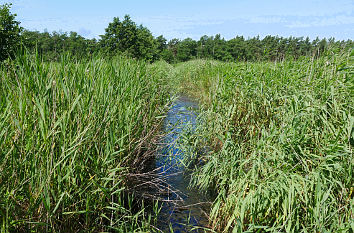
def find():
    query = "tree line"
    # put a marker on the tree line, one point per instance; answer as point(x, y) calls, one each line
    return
point(125, 37)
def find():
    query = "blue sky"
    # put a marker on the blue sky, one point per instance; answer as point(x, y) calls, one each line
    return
point(193, 18)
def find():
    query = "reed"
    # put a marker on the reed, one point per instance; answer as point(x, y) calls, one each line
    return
point(71, 132)
point(281, 137)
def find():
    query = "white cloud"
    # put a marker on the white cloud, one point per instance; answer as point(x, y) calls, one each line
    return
point(267, 19)
point(174, 27)
point(322, 22)
point(84, 32)
point(234, 18)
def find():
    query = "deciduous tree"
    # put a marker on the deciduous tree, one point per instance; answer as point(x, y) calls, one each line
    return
point(126, 37)
point(9, 32)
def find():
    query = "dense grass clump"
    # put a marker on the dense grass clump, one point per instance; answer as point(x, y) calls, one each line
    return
point(70, 134)
point(282, 136)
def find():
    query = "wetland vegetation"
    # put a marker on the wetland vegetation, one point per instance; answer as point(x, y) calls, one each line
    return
point(271, 144)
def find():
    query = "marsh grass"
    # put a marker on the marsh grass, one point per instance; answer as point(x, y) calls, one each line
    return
point(71, 133)
point(75, 138)
point(282, 138)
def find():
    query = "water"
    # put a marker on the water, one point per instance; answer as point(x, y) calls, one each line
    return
point(183, 208)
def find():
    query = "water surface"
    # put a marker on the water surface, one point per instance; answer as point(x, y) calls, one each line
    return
point(183, 208)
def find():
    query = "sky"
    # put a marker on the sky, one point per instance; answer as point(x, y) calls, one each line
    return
point(193, 18)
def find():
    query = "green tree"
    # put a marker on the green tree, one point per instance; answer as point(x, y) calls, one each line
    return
point(186, 49)
point(172, 45)
point(161, 43)
point(220, 50)
point(205, 47)
point(161, 46)
point(237, 48)
point(126, 37)
point(9, 32)
point(52, 45)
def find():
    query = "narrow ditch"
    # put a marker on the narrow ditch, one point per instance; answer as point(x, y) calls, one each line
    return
point(183, 209)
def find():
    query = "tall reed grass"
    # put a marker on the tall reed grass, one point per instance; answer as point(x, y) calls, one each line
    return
point(70, 134)
point(282, 137)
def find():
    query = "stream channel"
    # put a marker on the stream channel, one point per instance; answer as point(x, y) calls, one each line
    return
point(184, 209)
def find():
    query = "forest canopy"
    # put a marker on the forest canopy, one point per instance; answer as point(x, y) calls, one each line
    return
point(125, 37)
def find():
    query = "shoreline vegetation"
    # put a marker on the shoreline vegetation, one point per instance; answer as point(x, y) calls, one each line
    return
point(71, 135)
point(282, 138)
point(78, 126)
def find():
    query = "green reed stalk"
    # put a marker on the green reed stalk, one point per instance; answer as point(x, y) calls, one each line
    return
point(282, 138)
point(69, 135)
